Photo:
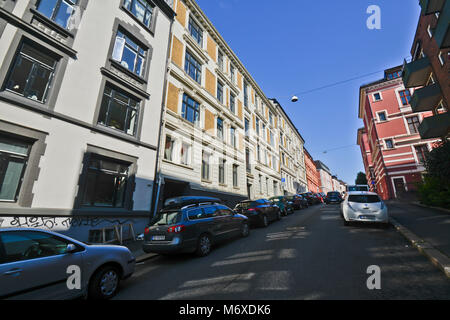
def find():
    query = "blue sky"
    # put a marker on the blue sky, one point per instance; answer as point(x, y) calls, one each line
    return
point(292, 46)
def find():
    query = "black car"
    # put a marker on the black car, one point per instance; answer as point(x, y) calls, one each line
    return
point(298, 201)
point(259, 212)
point(193, 224)
point(310, 198)
point(333, 197)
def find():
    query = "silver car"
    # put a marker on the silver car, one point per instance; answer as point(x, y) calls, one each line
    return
point(38, 264)
point(362, 206)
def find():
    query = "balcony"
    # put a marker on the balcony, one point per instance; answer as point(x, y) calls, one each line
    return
point(442, 32)
point(416, 73)
point(431, 6)
point(435, 127)
point(426, 98)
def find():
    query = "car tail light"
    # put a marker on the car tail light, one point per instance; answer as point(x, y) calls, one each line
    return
point(176, 229)
point(147, 230)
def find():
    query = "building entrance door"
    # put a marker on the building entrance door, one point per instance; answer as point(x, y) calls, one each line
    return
point(399, 185)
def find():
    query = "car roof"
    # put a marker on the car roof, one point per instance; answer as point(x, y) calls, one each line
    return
point(362, 193)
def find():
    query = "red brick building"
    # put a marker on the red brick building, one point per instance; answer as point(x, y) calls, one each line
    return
point(429, 69)
point(312, 175)
point(392, 149)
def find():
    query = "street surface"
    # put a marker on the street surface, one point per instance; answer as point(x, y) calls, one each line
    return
point(307, 255)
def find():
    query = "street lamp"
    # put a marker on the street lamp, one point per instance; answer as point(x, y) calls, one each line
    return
point(294, 99)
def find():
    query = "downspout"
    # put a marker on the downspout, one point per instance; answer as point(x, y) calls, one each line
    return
point(157, 175)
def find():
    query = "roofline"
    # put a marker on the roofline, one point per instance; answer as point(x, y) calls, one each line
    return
point(275, 101)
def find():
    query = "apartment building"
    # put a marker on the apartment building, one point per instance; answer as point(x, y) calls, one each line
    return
point(81, 95)
point(219, 132)
point(392, 149)
point(312, 175)
point(326, 180)
point(292, 157)
point(429, 69)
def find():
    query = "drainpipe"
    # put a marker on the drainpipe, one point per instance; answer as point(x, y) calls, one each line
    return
point(157, 175)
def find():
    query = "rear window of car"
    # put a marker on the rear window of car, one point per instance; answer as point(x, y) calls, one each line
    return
point(168, 218)
point(363, 198)
point(358, 188)
point(333, 194)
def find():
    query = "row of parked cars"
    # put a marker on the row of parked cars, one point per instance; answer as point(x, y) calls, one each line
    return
point(194, 224)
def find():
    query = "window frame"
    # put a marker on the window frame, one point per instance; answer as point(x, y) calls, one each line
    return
point(414, 124)
point(196, 109)
point(155, 10)
point(193, 25)
point(191, 61)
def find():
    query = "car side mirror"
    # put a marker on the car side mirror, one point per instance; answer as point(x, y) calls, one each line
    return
point(71, 248)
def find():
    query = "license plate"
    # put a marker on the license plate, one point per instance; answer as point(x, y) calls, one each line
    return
point(367, 217)
point(158, 238)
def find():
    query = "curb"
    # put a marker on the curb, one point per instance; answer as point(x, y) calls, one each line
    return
point(429, 207)
point(145, 257)
point(435, 256)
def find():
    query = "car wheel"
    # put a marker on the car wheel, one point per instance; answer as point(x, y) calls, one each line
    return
point(245, 230)
point(104, 283)
point(264, 221)
point(204, 245)
point(278, 215)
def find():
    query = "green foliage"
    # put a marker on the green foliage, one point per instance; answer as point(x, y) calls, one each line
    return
point(435, 189)
point(361, 178)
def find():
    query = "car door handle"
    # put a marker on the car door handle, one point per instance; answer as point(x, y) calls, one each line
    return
point(13, 272)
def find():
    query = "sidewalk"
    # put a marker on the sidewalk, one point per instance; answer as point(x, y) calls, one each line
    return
point(136, 249)
point(431, 225)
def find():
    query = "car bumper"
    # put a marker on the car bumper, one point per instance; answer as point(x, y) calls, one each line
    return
point(174, 246)
point(375, 217)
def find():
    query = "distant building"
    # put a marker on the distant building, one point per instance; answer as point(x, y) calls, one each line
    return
point(326, 180)
point(312, 175)
point(392, 149)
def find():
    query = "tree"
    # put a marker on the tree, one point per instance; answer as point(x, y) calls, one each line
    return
point(361, 178)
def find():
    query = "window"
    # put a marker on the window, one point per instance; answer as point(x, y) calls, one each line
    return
point(247, 159)
point(58, 11)
point(264, 131)
point(422, 153)
point(141, 9)
point(389, 144)
point(260, 184)
point(27, 245)
point(129, 54)
point(220, 128)
point(232, 73)
point(220, 91)
point(193, 68)
point(222, 163)
point(184, 154)
point(168, 148)
point(259, 153)
point(272, 139)
point(13, 161)
point(119, 111)
point(413, 124)
point(31, 73)
point(233, 136)
point(205, 166)
point(232, 103)
point(220, 60)
point(377, 96)
point(394, 75)
point(247, 127)
point(245, 93)
point(275, 188)
point(235, 176)
point(271, 118)
point(405, 96)
point(382, 116)
point(106, 183)
point(190, 109)
point(195, 31)
point(257, 126)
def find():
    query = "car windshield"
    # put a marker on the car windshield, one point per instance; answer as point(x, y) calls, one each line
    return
point(364, 198)
point(358, 188)
point(168, 218)
point(333, 194)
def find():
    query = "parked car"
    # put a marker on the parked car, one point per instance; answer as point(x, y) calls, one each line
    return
point(319, 197)
point(298, 201)
point(36, 264)
point(193, 225)
point(259, 212)
point(333, 197)
point(308, 196)
point(363, 206)
point(286, 207)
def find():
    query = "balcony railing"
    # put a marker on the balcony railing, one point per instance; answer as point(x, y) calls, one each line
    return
point(435, 127)
point(416, 73)
point(431, 6)
point(426, 98)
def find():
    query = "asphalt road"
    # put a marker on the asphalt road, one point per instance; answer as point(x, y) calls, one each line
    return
point(307, 255)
